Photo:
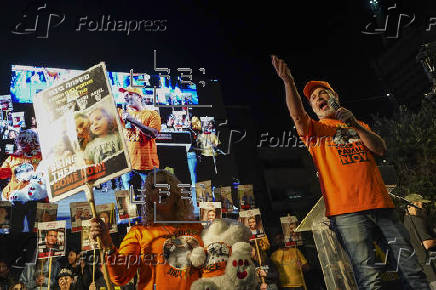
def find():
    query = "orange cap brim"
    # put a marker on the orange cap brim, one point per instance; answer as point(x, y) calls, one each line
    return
point(310, 86)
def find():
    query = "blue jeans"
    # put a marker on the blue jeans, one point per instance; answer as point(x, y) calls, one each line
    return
point(192, 165)
point(356, 232)
point(129, 179)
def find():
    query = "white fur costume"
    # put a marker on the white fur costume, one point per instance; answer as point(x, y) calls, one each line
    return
point(35, 190)
point(239, 273)
point(218, 239)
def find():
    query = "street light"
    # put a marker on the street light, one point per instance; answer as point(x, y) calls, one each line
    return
point(374, 5)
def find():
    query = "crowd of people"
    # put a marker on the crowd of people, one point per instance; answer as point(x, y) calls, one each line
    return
point(357, 202)
point(158, 254)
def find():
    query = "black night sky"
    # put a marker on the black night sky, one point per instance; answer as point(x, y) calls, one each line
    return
point(232, 40)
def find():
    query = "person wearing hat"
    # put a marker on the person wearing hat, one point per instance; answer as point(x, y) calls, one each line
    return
point(141, 127)
point(356, 200)
point(415, 221)
point(36, 276)
point(65, 279)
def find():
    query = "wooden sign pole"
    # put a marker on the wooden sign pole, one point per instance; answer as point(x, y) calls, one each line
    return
point(93, 266)
point(91, 201)
point(42, 272)
point(260, 259)
point(49, 270)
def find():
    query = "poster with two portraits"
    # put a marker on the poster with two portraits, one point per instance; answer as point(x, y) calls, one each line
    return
point(81, 221)
point(45, 212)
point(80, 133)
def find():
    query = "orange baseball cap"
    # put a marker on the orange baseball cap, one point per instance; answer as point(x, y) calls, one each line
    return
point(311, 85)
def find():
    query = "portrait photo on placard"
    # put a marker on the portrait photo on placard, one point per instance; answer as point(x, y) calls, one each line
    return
point(209, 211)
point(225, 196)
point(126, 209)
point(246, 196)
point(87, 242)
point(204, 191)
point(79, 211)
point(291, 238)
point(45, 212)
point(252, 219)
point(107, 213)
point(51, 239)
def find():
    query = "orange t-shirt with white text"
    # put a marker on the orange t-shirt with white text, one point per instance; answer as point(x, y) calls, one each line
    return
point(142, 150)
point(161, 253)
point(349, 178)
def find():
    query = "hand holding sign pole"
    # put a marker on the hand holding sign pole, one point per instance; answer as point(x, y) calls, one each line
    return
point(260, 260)
point(71, 109)
point(91, 200)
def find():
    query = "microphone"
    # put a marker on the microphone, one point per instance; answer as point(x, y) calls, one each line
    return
point(332, 102)
point(128, 124)
point(334, 105)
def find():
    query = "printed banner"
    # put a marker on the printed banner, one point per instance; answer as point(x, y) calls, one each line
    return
point(51, 239)
point(79, 211)
point(88, 244)
point(45, 212)
point(5, 217)
point(107, 213)
point(252, 219)
point(246, 196)
point(80, 133)
point(126, 210)
point(209, 211)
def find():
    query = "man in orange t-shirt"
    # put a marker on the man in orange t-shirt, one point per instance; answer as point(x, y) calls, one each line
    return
point(141, 127)
point(21, 167)
point(160, 251)
point(355, 196)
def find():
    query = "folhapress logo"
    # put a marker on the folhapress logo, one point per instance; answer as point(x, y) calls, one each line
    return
point(394, 22)
point(38, 20)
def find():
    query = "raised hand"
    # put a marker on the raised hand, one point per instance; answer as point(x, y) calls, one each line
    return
point(282, 69)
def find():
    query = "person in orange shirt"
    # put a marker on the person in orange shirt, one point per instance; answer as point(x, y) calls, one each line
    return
point(141, 127)
point(21, 166)
point(161, 251)
point(356, 198)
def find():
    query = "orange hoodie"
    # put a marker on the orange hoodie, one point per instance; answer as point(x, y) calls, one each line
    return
point(160, 253)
